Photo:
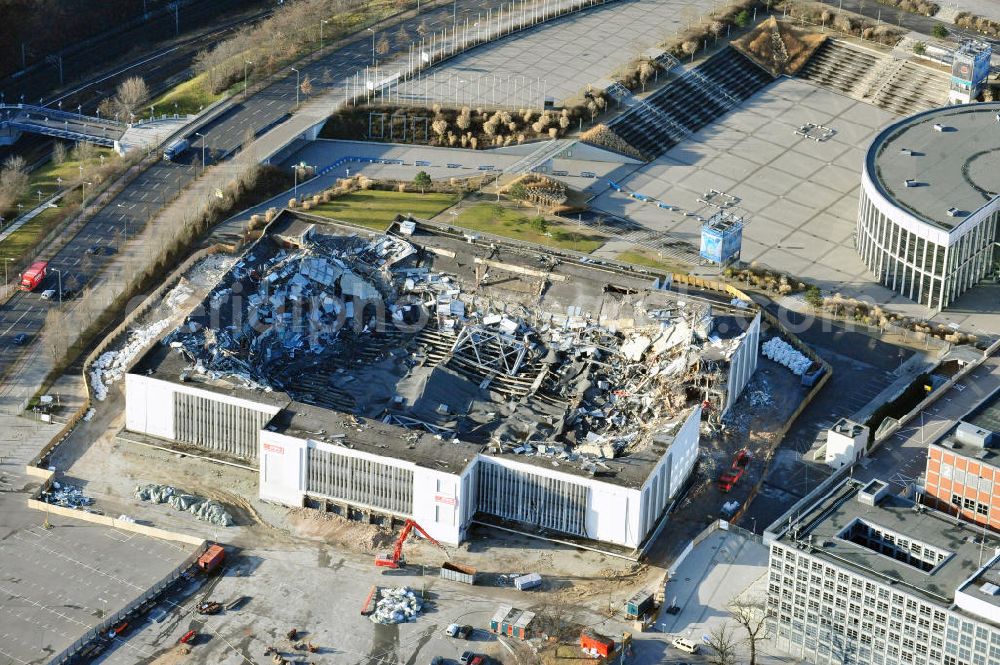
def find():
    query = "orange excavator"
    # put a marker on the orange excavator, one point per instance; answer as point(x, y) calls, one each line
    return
point(395, 558)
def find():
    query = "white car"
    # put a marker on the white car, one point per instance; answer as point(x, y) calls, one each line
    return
point(48, 294)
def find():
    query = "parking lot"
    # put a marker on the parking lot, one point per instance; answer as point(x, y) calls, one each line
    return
point(61, 576)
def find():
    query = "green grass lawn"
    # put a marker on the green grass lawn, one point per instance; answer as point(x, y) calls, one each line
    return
point(190, 97)
point(21, 244)
point(502, 221)
point(376, 208)
point(650, 259)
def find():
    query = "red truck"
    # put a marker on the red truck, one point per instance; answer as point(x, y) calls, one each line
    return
point(34, 275)
point(730, 478)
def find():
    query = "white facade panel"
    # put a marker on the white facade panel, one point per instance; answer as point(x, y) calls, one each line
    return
point(149, 406)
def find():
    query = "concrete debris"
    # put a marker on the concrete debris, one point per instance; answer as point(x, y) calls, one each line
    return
point(363, 326)
point(111, 366)
point(67, 496)
point(209, 511)
point(785, 354)
point(398, 605)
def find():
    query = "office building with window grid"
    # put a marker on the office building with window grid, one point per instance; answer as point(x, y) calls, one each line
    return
point(927, 216)
point(860, 575)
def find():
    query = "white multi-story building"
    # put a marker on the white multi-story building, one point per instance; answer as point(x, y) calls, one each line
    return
point(927, 218)
point(859, 575)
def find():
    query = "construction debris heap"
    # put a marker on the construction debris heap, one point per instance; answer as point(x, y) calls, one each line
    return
point(375, 361)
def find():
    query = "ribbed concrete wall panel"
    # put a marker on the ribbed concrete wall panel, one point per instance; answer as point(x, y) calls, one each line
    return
point(218, 426)
point(532, 499)
point(359, 480)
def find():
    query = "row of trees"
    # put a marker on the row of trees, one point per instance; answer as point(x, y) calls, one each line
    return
point(725, 645)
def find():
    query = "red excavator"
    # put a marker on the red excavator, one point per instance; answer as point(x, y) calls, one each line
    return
point(395, 558)
point(730, 478)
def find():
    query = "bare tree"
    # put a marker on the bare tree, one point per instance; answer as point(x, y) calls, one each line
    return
point(58, 152)
point(131, 95)
point(13, 180)
point(383, 45)
point(306, 86)
point(722, 643)
point(107, 108)
point(751, 613)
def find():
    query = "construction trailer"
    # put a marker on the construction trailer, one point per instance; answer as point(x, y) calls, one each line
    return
point(511, 622)
point(504, 405)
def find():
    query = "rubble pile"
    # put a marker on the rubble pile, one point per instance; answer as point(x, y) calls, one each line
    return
point(364, 326)
point(111, 366)
point(210, 511)
point(292, 304)
point(67, 496)
point(398, 605)
point(783, 353)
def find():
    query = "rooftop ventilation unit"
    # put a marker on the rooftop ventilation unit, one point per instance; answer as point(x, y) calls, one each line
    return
point(973, 435)
point(953, 212)
point(905, 152)
point(910, 182)
point(873, 492)
point(989, 589)
point(938, 127)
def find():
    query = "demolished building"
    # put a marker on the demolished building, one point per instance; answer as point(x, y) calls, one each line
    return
point(448, 379)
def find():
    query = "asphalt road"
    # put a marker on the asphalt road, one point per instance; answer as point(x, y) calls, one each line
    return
point(129, 212)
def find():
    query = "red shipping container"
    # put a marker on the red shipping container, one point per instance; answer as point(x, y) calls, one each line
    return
point(590, 640)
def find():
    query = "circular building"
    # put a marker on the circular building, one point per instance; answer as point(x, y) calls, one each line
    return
point(927, 219)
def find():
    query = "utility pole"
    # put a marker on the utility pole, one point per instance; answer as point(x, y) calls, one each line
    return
point(296, 87)
point(59, 273)
point(246, 63)
point(204, 142)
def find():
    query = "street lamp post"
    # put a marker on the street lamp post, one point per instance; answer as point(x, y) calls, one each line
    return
point(59, 273)
point(203, 144)
point(296, 86)
point(246, 63)
point(373, 45)
point(6, 260)
point(321, 24)
point(295, 173)
point(84, 202)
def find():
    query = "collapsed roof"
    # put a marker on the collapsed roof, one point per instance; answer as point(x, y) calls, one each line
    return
point(454, 341)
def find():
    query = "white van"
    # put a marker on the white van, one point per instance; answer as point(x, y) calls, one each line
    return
point(685, 645)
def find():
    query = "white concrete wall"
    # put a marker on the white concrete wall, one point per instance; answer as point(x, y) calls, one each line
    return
point(743, 363)
point(149, 406)
point(282, 468)
point(671, 472)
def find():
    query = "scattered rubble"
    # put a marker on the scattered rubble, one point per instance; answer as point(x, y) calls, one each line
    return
point(785, 354)
point(67, 496)
point(209, 510)
point(365, 326)
point(399, 605)
point(111, 366)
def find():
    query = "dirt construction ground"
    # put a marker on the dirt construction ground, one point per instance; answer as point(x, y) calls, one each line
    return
point(313, 572)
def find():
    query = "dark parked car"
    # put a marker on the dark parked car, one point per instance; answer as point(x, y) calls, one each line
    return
point(20, 339)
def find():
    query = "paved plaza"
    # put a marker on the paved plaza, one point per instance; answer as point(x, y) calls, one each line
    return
point(800, 196)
